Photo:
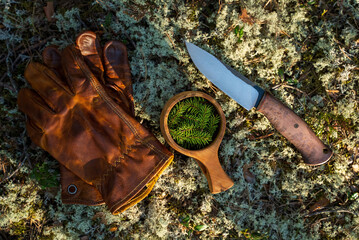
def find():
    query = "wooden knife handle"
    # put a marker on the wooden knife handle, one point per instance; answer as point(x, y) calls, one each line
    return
point(295, 130)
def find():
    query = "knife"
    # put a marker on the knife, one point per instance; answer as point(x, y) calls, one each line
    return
point(249, 96)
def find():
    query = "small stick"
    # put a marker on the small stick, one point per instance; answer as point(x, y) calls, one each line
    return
point(214, 88)
point(331, 211)
point(332, 91)
point(288, 86)
point(283, 32)
point(322, 219)
point(229, 29)
point(220, 6)
point(269, 1)
point(170, 40)
point(265, 136)
point(341, 49)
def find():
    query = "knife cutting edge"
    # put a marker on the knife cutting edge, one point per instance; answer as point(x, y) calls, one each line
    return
point(249, 96)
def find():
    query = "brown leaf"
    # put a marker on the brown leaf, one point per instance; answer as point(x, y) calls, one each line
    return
point(49, 11)
point(246, 18)
point(321, 203)
point(248, 176)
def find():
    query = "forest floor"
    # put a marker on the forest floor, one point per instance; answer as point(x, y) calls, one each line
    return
point(304, 52)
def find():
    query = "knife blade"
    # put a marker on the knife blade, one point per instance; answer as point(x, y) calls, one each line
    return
point(249, 96)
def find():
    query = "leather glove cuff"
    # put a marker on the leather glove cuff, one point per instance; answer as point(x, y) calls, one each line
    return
point(124, 193)
point(131, 183)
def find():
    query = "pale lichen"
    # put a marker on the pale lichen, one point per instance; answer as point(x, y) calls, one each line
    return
point(303, 52)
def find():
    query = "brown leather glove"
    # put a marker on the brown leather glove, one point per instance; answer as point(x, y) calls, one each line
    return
point(89, 128)
point(73, 189)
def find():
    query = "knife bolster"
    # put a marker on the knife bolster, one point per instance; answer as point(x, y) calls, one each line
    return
point(261, 94)
point(292, 127)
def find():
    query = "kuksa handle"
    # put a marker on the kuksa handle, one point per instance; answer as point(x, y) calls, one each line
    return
point(295, 130)
point(218, 180)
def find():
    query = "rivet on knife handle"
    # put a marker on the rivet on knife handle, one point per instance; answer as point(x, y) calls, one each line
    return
point(295, 130)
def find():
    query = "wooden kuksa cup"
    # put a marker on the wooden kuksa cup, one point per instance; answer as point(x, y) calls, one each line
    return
point(207, 157)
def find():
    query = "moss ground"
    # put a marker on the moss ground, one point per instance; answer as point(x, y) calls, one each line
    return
point(304, 52)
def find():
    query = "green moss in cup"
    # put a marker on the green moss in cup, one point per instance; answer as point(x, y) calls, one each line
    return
point(193, 123)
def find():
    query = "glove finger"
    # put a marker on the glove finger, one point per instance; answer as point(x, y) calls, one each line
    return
point(121, 100)
point(52, 57)
point(35, 108)
point(78, 75)
point(90, 48)
point(117, 67)
point(48, 85)
point(118, 72)
point(34, 132)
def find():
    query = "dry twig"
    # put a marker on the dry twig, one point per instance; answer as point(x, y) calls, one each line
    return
point(330, 211)
point(288, 86)
point(173, 44)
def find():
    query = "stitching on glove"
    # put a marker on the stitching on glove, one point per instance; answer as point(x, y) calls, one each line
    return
point(111, 168)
